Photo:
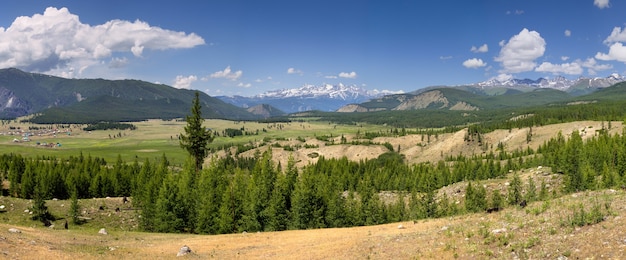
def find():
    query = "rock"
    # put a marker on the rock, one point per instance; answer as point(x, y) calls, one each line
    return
point(400, 226)
point(14, 230)
point(444, 228)
point(498, 231)
point(103, 231)
point(183, 251)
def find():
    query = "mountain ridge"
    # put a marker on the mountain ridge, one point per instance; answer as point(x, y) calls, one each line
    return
point(60, 100)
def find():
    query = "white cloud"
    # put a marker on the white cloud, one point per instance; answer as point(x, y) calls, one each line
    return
point(592, 66)
point(241, 84)
point(617, 35)
point(474, 63)
point(227, 73)
point(482, 48)
point(520, 52)
point(617, 52)
point(572, 68)
point(184, 82)
point(294, 71)
point(445, 57)
point(601, 3)
point(567, 33)
point(517, 12)
point(502, 43)
point(118, 62)
point(56, 41)
point(331, 77)
point(348, 75)
point(564, 58)
point(503, 77)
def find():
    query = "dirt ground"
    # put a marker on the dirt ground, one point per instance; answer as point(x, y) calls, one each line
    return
point(539, 231)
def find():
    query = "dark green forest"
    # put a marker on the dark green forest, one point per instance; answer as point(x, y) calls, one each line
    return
point(236, 194)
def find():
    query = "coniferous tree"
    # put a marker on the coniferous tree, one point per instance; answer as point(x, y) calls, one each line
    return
point(497, 201)
point(74, 210)
point(531, 191)
point(515, 190)
point(39, 208)
point(196, 138)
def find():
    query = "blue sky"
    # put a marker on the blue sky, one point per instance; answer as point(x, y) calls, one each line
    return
point(249, 47)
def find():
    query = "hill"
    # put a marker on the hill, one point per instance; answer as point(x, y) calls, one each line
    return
point(542, 230)
point(61, 100)
point(265, 111)
point(461, 99)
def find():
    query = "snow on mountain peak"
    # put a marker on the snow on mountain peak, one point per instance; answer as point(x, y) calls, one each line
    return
point(338, 91)
point(557, 82)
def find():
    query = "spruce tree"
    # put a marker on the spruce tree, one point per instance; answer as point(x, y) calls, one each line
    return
point(515, 190)
point(74, 211)
point(196, 138)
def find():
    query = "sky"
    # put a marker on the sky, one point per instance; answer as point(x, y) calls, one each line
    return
point(249, 47)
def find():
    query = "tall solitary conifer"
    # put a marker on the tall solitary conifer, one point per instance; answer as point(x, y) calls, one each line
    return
point(196, 138)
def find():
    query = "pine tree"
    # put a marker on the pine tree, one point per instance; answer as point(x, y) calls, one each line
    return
point(74, 210)
point(515, 190)
point(39, 208)
point(196, 138)
point(497, 202)
point(531, 191)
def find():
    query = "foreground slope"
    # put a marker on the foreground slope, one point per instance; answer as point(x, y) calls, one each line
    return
point(541, 230)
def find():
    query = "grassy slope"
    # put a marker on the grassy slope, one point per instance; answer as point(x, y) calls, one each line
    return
point(541, 230)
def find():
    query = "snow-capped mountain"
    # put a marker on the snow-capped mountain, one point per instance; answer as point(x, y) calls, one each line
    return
point(339, 91)
point(558, 82)
point(325, 97)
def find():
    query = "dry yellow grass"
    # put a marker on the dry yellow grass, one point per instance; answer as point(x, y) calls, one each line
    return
point(540, 231)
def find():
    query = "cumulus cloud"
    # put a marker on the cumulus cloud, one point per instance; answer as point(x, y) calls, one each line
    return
point(572, 68)
point(184, 82)
point(294, 71)
point(482, 48)
point(227, 73)
point(348, 75)
point(564, 58)
point(617, 51)
point(246, 85)
point(474, 63)
point(601, 3)
point(567, 33)
point(617, 35)
point(519, 53)
point(57, 41)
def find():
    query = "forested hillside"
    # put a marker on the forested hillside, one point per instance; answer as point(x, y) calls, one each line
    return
point(255, 194)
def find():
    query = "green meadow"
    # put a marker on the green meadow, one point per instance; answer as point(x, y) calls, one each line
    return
point(153, 138)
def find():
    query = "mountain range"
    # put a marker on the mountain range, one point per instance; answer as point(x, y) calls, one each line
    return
point(350, 98)
point(60, 100)
point(325, 97)
point(494, 94)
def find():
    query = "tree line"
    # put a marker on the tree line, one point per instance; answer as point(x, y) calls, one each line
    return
point(235, 194)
